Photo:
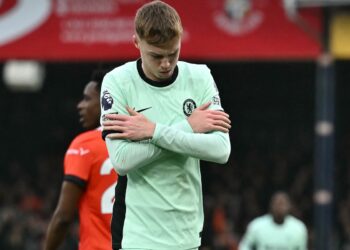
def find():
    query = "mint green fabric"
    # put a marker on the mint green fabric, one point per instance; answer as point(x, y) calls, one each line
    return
point(164, 203)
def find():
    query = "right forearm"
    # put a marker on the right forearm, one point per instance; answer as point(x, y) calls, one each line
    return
point(128, 155)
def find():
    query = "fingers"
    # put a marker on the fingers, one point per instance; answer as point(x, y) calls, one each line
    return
point(131, 111)
point(218, 112)
point(119, 117)
point(221, 118)
point(114, 128)
point(222, 124)
point(204, 106)
point(112, 123)
point(116, 136)
point(221, 129)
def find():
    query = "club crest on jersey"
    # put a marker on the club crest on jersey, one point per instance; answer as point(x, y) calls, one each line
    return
point(188, 106)
point(107, 100)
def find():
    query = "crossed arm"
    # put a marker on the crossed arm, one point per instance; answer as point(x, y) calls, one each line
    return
point(190, 137)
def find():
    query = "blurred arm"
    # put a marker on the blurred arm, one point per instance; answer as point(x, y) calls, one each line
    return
point(248, 241)
point(63, 215)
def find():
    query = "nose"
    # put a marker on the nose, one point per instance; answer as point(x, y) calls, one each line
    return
point(165, 63)
point(80, 105)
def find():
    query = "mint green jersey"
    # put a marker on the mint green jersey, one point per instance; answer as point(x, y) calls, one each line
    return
point(264, 234)
point(163, 198)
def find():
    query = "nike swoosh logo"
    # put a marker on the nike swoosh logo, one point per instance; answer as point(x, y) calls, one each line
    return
point(141, 110)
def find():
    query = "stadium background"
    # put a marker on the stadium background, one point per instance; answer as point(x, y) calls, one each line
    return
point(272, 107)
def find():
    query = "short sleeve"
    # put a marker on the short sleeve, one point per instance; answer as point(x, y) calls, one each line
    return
point(78, 160)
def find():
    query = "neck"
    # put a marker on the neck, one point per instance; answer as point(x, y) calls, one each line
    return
point(278, 220)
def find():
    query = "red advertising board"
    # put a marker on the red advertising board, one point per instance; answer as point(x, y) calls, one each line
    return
point(61, 30)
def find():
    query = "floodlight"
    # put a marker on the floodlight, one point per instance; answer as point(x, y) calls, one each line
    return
point(23, 75)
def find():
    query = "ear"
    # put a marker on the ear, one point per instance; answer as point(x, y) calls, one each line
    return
point(136, 41)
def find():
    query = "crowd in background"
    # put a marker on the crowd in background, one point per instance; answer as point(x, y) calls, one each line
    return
point(233, 195)
point(272, 149)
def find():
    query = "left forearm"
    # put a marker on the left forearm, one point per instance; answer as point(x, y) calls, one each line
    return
point(56, 232)
point(214, 147)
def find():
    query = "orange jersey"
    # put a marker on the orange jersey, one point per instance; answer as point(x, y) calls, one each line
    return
point(86, 163)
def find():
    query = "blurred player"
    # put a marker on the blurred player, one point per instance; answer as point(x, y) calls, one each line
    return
point(276, 230)
point(89, 180)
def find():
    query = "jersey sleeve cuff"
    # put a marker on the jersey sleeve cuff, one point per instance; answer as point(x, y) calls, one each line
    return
point(76, 180)
point(157, 133)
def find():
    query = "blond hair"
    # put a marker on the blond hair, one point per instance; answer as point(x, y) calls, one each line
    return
point(157, 23)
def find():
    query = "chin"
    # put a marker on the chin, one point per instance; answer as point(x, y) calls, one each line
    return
point(164, 77)
point(85, 125)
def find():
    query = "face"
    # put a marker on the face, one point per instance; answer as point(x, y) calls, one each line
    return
point(159, 62)
point(280, 205)
point(89, 107)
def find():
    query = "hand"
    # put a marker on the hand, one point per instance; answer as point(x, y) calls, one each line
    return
point(135, 127)
point(203, 120)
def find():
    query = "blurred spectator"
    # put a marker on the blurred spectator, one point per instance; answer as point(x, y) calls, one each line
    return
point(277, 229)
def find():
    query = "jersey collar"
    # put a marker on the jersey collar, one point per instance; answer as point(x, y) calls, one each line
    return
point(156, 83)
